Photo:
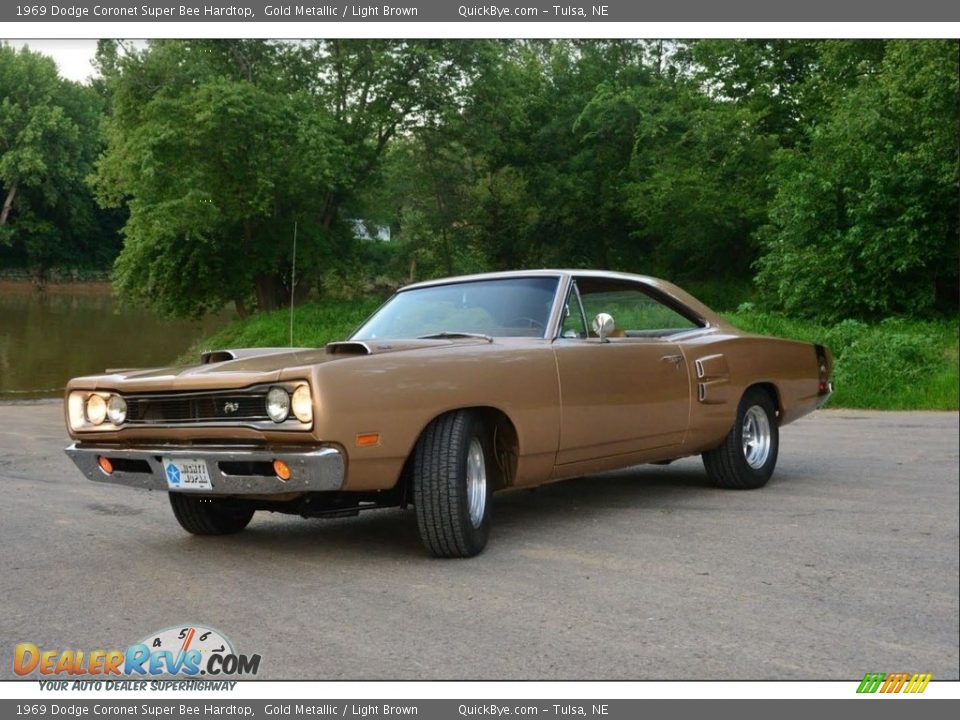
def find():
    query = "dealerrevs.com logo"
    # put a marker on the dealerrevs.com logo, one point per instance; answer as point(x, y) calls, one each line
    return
point(181, 651)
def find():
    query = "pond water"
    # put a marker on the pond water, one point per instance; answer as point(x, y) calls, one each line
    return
point(48, 337)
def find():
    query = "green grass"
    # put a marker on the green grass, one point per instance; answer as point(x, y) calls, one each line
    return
point(314, 325)
point(897, 364)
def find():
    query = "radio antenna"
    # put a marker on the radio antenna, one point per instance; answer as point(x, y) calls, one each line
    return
point(293, 279)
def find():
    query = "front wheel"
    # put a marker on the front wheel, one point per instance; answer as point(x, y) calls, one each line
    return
point(209, 516)
point(748, 454)
point(453, 468)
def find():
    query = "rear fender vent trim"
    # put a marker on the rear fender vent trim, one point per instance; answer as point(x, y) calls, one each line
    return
point(713, 377)
point(712, 366)
point(713, 392)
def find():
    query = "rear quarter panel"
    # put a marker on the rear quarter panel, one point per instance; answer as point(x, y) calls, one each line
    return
point(724, 364)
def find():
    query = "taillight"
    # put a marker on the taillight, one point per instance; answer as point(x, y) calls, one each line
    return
point(824, 386)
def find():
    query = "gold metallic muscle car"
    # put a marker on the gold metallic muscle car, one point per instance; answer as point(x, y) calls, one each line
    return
point(452, 390)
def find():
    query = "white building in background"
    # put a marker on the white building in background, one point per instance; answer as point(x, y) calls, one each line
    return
point(364, 230)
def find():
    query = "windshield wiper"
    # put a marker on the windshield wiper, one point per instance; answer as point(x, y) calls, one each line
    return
point(454, 334)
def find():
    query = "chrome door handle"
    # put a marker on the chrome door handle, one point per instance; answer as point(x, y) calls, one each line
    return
point(675, 359)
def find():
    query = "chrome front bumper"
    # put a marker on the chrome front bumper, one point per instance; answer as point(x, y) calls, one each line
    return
point(233, 470)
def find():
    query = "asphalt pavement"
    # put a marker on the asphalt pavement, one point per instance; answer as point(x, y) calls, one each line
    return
point(846, 563)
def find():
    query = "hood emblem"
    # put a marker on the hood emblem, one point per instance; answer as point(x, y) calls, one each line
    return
point(230, 407)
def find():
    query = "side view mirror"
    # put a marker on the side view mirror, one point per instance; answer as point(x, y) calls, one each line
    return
point(603, 325)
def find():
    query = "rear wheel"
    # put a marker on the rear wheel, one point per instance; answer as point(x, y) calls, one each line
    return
point(748, 455)
point(453, 468)
point(209, 516)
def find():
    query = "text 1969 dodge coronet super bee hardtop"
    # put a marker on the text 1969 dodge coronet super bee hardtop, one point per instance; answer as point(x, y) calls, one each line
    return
point(453, 389)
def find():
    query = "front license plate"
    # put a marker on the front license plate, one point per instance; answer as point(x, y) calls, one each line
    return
point(186, 474)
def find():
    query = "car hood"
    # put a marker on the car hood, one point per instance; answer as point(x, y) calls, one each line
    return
point(240, 366)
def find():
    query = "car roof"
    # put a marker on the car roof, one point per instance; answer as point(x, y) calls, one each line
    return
point(531, 273)
point(674, 292)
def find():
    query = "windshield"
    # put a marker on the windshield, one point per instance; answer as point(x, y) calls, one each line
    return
point(509, 307)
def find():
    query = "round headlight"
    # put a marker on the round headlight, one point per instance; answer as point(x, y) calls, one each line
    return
point(76, 406)
point(302, 404)
point(278, 404)
point(96, 409)
point(117, 409)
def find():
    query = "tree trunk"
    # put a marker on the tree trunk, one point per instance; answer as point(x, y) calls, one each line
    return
point(946, 290)
point(268, 290)
point(301, 292)
point(8, 203)
point(241, 307)
point(267, 286)
point(40, 276)
point(329, 214)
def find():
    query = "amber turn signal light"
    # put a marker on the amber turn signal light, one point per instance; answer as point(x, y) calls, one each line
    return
point(105, 465)
point(281, 469)
point(368, 439)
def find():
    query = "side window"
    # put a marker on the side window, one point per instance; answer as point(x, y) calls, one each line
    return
point(635, 313)
point(573, 323)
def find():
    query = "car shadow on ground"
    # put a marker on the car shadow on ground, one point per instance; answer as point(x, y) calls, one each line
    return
point(392, 533)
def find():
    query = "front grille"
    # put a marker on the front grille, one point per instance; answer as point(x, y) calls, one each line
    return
point(194, 408)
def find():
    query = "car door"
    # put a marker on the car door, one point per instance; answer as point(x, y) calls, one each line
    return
point(630, 392)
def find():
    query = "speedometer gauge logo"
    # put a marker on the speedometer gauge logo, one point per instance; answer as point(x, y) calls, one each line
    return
point(189, 650)
point(195, 638)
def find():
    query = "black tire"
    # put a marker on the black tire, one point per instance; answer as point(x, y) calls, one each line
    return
point(209, 516)
point(440, 492)
point(728, 465)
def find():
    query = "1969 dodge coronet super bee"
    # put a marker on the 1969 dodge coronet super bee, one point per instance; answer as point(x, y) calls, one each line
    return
point(453, 389)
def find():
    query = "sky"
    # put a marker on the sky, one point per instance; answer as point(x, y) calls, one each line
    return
point(73, 57)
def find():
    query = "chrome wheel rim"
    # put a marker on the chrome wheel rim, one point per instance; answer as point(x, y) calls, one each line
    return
point(756, 437)
point(476, 483)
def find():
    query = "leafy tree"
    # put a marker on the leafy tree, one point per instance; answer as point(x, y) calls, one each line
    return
point(212, 153)
point(398, 109)
point(835, 160)
point(48, 140)
point(766, 77)
point(635, 167)
point(864, 222)
point(425, 181)
point(697, 183)
point(506, 180)
point(220, 147)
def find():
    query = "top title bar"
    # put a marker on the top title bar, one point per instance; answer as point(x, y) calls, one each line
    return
point(539, 11)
